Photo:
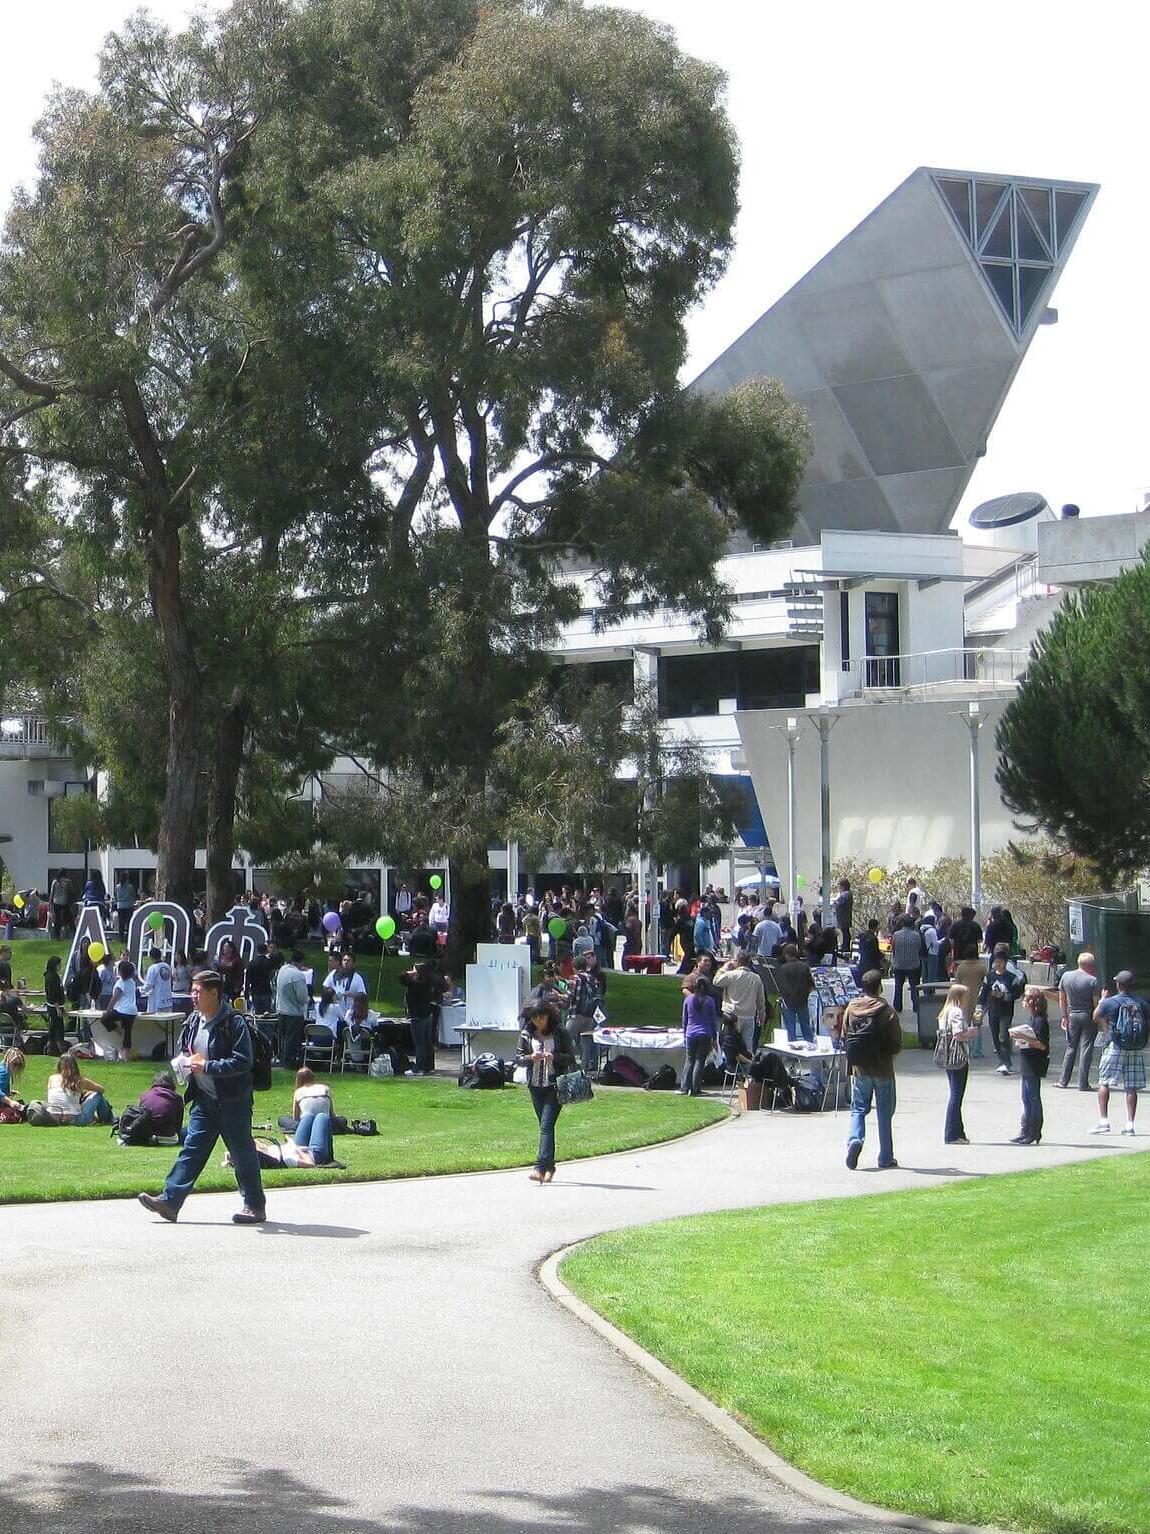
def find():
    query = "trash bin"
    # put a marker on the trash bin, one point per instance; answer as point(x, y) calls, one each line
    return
point(930, 1002)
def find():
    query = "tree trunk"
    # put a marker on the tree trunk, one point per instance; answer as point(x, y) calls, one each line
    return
point(221, 836)
point(176, 845)
point(470, 911)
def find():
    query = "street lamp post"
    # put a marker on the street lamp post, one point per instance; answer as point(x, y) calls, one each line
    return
point(792, 741)
point(974, 722)
point(826, 723)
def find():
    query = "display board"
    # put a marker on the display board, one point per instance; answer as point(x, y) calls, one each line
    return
point(834, 986)
point(492, 999)
point(507, 956)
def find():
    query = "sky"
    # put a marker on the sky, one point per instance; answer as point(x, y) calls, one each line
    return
point(835, 104)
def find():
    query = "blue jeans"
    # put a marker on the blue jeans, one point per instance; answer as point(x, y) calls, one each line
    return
point(95, 1109)
point(1032, 1106)
point(210, 1121)
point(698, 1051)
point(314, 1131)
point(797, 1022)
point(545, 1101)
point(901, 977)
point(880, 1090)
point(956, 1086)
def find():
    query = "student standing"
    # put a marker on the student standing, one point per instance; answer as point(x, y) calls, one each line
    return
point(1126, 1018)
point(1033, 1063)
point(546, 1052)
point(877, 1034)
point(700, 1031)
point(954, 1035)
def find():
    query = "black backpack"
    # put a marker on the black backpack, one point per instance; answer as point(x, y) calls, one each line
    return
point(490, 1072)
point(663, 1080)
point(261, 1059)
point(136, 1125)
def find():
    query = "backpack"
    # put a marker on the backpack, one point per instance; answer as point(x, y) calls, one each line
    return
point(664, 1080)
point(1130, 1028)
point(363, 1127)
point(807, 1094)
point(489, 1072)
point(136, 1125)
point(865, 1041)
point(630, 1071)
point(261, 1059)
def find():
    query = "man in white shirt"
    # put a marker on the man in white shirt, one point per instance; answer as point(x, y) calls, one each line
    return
point(743, 997)
point(156, 986)
point(341, 984)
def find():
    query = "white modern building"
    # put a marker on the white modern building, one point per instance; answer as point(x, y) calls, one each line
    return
point(876, 626)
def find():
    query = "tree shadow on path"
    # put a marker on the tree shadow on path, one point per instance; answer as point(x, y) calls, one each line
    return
point(68, 1499)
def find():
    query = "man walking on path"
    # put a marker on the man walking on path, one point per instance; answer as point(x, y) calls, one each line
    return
point(1079, 991)
point(1127, 1019)
point(218, 1050)
point(873, 1034)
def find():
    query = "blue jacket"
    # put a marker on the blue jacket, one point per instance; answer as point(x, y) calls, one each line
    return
point(229, 1054)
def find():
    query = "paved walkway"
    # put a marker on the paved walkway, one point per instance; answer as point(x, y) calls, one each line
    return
point(381, 1359)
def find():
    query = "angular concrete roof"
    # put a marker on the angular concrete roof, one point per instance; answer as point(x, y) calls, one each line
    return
point(902, 342)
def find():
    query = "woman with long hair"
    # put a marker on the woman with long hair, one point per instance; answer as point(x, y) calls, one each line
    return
point(73, 1099)
point(11, 1069)
point(54, 1003)
point(312, 1108)
point(953, 1053)
point(1033, 1063)
point(546, 1052)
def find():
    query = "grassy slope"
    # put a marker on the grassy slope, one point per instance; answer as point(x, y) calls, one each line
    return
point(974, 1353)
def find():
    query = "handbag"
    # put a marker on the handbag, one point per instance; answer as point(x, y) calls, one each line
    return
point(950, 1054)
point(573, 1087)
point(381, 1067)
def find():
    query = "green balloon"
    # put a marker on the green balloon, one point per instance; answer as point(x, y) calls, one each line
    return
point(156, 921)
point(436, 882)
point(557, 927)
point(385, 927)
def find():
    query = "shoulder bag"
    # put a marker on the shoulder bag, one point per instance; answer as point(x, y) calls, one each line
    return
point(573, 1087)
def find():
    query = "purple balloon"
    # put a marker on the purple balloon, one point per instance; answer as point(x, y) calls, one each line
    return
point(331, 922)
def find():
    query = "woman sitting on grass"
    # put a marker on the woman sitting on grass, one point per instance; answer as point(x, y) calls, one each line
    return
point(11, 1105)
point(73, 1099)
point(312, 1106)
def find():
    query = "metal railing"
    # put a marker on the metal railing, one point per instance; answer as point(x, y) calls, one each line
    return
point(25, 735)
point(975, 669)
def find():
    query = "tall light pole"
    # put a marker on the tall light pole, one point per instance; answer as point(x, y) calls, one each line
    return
point(826, 722)
point(792, 741)
point(974, 722)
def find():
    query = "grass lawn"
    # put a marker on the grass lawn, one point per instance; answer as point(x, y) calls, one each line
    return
point(974, 1353)
point(425, 1126)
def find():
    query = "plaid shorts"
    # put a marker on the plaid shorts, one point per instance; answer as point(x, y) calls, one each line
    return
point(1122, 1068)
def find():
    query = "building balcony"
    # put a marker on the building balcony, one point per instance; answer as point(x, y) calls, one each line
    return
point(964, 673)
point(25, 737)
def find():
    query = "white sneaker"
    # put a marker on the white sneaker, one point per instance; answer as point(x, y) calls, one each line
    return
point(1102, 1128)
point(1129, 1130)
point(1004, 1070)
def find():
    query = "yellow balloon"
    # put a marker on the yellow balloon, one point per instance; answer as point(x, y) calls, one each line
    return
point(96, 952)
point(239, 1004)
point(876, 875)
point(18, 902)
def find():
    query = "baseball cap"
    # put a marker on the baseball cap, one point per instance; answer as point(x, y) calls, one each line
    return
point(1124, 977)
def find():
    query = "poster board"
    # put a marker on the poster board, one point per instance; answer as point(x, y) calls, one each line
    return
point(507, 956)
point(492, 997)
point(834, 986)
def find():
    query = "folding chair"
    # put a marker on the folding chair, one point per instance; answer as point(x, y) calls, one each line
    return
point(733, 1080)
point(357, 1053)
point(319, 1047)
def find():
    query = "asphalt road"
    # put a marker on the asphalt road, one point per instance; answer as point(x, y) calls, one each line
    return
point(380, 1358)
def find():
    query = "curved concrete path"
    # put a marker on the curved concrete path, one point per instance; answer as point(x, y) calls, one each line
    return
point(381, 1359)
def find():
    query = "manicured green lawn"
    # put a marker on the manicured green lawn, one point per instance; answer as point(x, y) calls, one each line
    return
point(425, 1126)
point(974, 1353)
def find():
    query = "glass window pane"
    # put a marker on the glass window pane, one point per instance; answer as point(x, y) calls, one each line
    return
point(1000, 241)
point(1001, 279)
point(957, 194)
point(987, 196)
point(1037, 201)
point(1031, 282)
point(1031, 247)
point(1067, 206)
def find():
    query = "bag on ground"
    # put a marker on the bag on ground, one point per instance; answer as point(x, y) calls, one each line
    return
point(136, 1125)
point(664, 1080)
point(38, 1116)
point(489, 1069)
point(381, 1066)
point(363, 1127)
point(629, 1071)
